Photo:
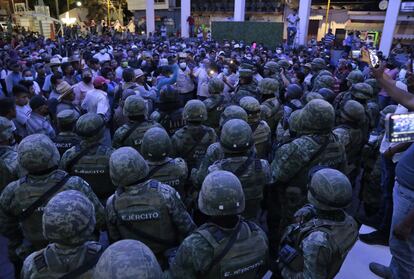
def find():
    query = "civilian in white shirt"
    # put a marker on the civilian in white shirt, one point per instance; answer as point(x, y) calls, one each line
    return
point(83, 86)
point(292, 20)
point(185, 84)
point(202, 80)
point(103, 55)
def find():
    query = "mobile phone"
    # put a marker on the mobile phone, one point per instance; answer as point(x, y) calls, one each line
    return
point(356, 54)
point(400, 127)
point(373, 57)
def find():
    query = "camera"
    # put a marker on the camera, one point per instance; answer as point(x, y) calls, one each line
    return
point(400, 127)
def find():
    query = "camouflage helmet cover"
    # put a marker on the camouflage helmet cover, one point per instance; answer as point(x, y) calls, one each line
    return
point(362, 91)
point(269, 86)
point(67, 117)
point(283, 63)
point(272, 66)
point(221, 194)
point(37, 153)
point(318, 116)
point(250, 104)
point(156, 144)
point(294, 91)
point(6, 129)
point(325, 81)
point(126, 167)
point(374, 84)
point(388, 109)
point(215, 86)
point(353, 111)
point(169, 94)
point(232, 112)
point(324, 73)
point(294, 121)
point(127, 259)
point(355, 76)
point(69, 218)
point(236, 136)
point(327, 94)
point(312, 96)
point(195, 111)
point(329, 189)
point(318, 64)
point(89, 125)
point(134, 106)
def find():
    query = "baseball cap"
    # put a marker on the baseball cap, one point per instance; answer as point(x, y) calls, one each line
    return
point(99, 81)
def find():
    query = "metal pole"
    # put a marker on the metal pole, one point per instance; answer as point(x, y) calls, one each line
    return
point(57, 9)
point(109, 13)
point(67, 3)
point(27, 5)
point(327, 15)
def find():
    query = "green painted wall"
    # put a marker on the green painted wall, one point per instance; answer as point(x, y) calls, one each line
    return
point(268, 33)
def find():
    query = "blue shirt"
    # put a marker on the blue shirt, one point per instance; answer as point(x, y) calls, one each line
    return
point(12, 79)
point(404, 170)
point(168, 81)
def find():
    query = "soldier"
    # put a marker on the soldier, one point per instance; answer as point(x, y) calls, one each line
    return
point(22, 201)
point(68, 224)
point(311, 96)
point(214, 151)
point(90, 159)
point(324, 81)
point(216, 103)
point(353, 78)
point(271, 70)
point(246, 86)
point(352, 135)
point(143, 209)
point(292, 162)
point(156, 149)
point(324, 234)
point(261, 131)
point(227, 245)
point(271, 107)
point(293, 96)
point(191, 141)
point(317, 65)
point(169, 113)
point(67, 138)
point(131, 133)
point(236, 141)
point(327, 94)
point(9, 168)
point(127, 259)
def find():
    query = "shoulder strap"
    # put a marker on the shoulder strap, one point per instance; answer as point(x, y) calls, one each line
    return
point(230, 243)
point(157, 168)
point(129, 132)
point(147, 236)
point(41, 200)
point(240, 170)
point(197, 142)
point(89, 264)
point(74, 160)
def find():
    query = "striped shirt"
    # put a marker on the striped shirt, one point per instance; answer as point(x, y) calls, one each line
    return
point(329, 39)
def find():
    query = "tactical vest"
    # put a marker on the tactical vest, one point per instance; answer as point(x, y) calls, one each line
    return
point(147, 213)
point(262, 139)
point(49, 265)
point(172, 121)
point(168, 173)
point(357, 141)
point(247, 257)
point(94, 169)
point(195, 145)
point(341, 237)
point(215, 106)
point(65, 141)
point(134, 137)
point(26, 194)
point(253, 180)
point(272, 119)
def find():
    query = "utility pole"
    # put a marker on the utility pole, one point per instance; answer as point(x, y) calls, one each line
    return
point(109, 13)
point(57, 9)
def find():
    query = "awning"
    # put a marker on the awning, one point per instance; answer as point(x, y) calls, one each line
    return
point(404, 36)
point(364, 26)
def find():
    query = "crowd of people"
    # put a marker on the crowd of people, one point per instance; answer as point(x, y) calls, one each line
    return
point(199, 159)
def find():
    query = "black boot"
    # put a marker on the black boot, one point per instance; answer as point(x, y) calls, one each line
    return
point(375, 238)
point(380, 270)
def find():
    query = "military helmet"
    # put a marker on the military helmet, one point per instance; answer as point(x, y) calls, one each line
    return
point(89, 125)
point(327, 94)
point(269, 86)
point(355, 76)
point(221, 194)
point(324, 82)
point(329, 189)
point(362, 91)
point(318, 64)
point(69, 218)
point(318, 116)
point(311, 96)
point(283, 63)
point(374, 84)
point(243, 73)
point(168, 94)
point(67, 117)
point(388, 109)
point(353, 111)
point(6, 129)
point(134, 106)
point(37, 154)
point(294, 91)
point(232, 112)
point(215, 86)
point(127, 167)
point(156, 144)
point(250, 104)
point(195, 111)
point(127, 259)
point(324, 73)
point(272, 66)
point(236, 136)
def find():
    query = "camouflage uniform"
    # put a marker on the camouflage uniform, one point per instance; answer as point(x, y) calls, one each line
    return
point(39, 157)
point(292, 162)
point(261, 131)
point(327, 94)
point(243, 90)
point(156, 148)
point(9, 168)
point(216, 103)
point(169, 112)
point(143, 209)
point(67, 138)
point(324, 81)
point(214, 151)
point(240, 159)
point(68, 223)
point(317, 65)
point(353, 77)
point(271, 108)
point(191, 141)
point(127, 259)
point(131, 133)
point(325, 233)
point(222, 195)
point(90, 158)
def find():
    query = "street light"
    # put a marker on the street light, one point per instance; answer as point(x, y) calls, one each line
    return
point(78, 3)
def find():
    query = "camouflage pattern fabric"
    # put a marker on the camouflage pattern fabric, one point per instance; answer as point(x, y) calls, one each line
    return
point(215, 86)
point(215, 105)
point(134, 106)
point(355, 76)
point(323, 81)
point(9, 167)
point(171, 121)
point(271, 113)
point(135, 138)
point(244, 90)
point(127, 259)
point(65, 141)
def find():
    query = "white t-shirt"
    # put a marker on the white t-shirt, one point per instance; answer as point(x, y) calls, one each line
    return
point(292, 20)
